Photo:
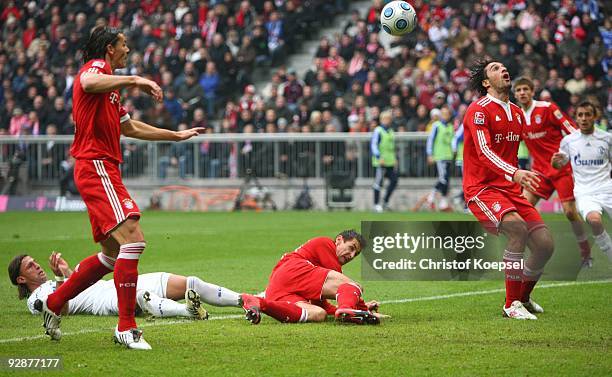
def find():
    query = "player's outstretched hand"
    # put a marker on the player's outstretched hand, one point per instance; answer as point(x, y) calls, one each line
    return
point(187, 134)
point(373, 306)
point(58, 265)
point(151, 88)
point(527, 179)
point(558, 160)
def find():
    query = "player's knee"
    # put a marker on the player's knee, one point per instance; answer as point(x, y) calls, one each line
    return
point(514, 226)
point(132, 231)
point(594, 218)
point(544, 243)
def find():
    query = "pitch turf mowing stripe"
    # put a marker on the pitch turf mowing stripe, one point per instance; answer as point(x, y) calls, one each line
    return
point(80, 332)
point(477, 293)
point(399, 301)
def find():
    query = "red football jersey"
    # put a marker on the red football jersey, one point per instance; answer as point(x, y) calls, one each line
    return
point(544, 123)
point(492, 133)
point(320, 251)
point(97, 118)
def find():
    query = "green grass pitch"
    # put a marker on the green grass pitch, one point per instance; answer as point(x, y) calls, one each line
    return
point(433, 330)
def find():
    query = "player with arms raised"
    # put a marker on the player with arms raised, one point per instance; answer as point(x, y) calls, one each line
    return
point(492, 184)
point(590, 153)
point(100, 120)
point(545, 125)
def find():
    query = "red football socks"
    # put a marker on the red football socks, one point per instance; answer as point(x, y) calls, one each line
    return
point(514, 277)
point(530, 279)
point(126, 277)
point(348, 295)
point(585, 248)
point(284, 311)
point(86, 273)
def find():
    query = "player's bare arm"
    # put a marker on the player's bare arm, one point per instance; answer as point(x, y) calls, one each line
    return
point(526, 179)
point(100, 83)
point(58, 265)
point(61, 270)
point(140, 130)
point(559, 160)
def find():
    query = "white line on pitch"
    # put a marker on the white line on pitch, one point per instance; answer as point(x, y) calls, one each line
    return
point(174, 322)
point(477, 293)
point(400, 301)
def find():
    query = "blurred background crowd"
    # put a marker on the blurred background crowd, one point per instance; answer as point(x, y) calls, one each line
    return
point(203, 54)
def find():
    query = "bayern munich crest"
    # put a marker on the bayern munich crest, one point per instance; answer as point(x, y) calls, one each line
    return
point(538, 119)
point(496, 207)
point(128, 203)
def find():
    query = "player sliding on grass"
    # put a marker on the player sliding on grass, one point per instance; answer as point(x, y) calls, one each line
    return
point(493, 184)
point(156, 292)
point(303, 281)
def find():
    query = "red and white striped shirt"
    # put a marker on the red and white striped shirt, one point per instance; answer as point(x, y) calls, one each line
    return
point(542, 133)
point(492, 133)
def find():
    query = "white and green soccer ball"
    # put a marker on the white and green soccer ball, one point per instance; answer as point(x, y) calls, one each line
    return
point(398, 18)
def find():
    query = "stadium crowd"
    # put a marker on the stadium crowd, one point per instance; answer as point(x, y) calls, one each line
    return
point(203, 52)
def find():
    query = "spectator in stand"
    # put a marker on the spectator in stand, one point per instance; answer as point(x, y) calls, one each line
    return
point(52, 155)
point(292, 90)
point(37, 63)
point(276, 42)
point(190, 94)
point(209, 81)
point(59, 116)
point(19, 123)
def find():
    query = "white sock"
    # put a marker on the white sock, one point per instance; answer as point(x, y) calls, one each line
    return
point(443, 203)
point(213, 294)
point(605, 243)
point(164, 307)
point(430, 197)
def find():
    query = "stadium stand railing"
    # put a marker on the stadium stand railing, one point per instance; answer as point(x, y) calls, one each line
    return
point(45, 159)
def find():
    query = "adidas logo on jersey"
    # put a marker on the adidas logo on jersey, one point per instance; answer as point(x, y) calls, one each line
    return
point(497, 118)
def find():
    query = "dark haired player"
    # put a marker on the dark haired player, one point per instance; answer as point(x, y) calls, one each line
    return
point(303, 280)
point(157, 295)
point(545, 127)
point(590, 153)
point(492, 184)
point(100, 120)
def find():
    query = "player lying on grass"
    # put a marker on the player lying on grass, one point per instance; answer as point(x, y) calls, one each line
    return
point(157, 292)
point(303, 280)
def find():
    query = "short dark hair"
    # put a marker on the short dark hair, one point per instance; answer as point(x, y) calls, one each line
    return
point(14, 270)
point(352, 234)
point(524, 80)
point(100, 37)
point(478, 75)
point(587, 103)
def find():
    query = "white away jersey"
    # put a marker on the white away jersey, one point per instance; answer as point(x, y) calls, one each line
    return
point(591, 159)
point(99, 299)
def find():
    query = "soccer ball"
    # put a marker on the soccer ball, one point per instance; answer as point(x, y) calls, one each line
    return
point(398, 18)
